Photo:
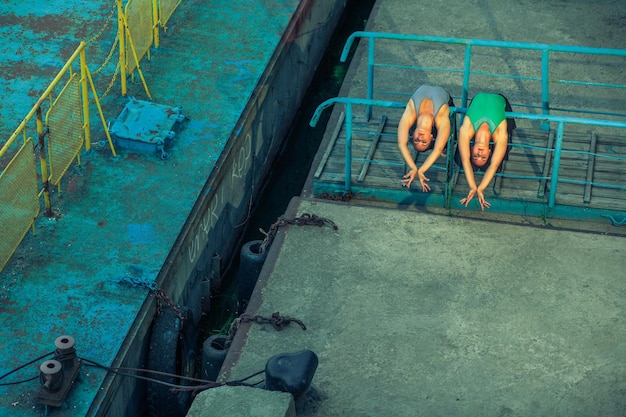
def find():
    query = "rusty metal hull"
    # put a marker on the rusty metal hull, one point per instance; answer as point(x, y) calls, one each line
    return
point(126, 225)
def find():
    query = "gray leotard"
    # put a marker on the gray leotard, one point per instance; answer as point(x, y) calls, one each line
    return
point(437, 95)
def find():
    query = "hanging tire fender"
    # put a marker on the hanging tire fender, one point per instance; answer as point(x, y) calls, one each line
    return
point(172, 350)
point(214, 352)
point(251, 262)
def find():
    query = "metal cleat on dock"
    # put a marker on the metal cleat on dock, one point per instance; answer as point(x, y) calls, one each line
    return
point(57, 375)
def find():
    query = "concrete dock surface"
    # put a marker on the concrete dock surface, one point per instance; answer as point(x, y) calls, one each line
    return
point(419, 314)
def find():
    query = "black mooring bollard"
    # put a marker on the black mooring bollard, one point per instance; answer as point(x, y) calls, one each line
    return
point(291, 372)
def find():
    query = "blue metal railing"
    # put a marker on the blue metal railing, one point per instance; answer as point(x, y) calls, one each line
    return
point(349, 102)
point(560, 122)
point(545, 49)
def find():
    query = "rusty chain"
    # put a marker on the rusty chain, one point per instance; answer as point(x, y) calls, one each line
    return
point(164, 300)
point(304, 220)
point(336, 197)
point(135, 278)
point(276, 320)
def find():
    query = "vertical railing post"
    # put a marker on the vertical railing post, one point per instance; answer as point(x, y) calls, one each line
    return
point(155, 22)
point(554, 178)
point(370, 76)
point(348, 180)
point(449, 161)
point(466, 73)
point(43, 161)
point(545, 93)
point(121, 33)
point(85, 96)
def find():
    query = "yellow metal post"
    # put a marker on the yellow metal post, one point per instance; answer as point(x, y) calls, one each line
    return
point(85, 99)
point(104, 124)
point(121, 33)
point(43, 160)
point(156, 18)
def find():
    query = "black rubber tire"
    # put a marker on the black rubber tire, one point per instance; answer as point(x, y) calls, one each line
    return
point(214, 352)
point(172, 350)
point(250, 265)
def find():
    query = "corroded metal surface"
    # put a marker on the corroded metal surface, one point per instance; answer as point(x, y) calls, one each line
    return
point(129, 224)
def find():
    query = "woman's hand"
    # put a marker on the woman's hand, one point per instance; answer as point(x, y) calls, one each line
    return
point(465, 201)
point(408, 178)
point(481, 200)
point(423, 180)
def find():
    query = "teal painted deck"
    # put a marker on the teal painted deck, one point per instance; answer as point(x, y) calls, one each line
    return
point(121, 222)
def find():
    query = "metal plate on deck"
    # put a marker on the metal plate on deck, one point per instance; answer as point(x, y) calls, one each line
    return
point(143, 126)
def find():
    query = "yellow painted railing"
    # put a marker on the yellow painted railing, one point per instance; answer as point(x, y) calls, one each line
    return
point(59, 139)
point(54, 141)
point(138, 26)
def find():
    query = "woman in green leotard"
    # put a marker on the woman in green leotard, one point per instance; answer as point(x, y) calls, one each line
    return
point(486, 122)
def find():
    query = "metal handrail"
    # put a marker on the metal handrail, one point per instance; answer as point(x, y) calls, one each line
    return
point(560, 121)
point(545, 50)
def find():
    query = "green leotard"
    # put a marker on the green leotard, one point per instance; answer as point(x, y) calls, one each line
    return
point(487, 108)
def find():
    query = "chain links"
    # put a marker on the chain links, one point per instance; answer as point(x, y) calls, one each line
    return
point(112, 82)
point(106, 24)
point(164, 300)
point(135, 278)
point(276, 320)
point(304, 220)
point(336, 197)
point(109, 55)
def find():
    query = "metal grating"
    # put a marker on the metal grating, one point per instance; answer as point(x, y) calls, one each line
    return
point(18, 184)
point(65, 121)
point(166, 10)
point(139, 20)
